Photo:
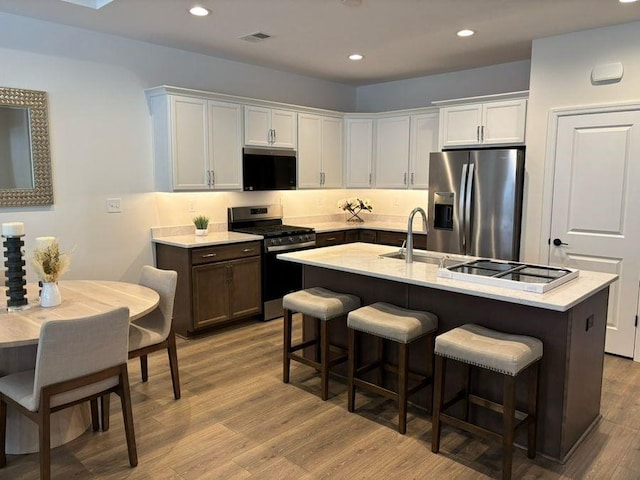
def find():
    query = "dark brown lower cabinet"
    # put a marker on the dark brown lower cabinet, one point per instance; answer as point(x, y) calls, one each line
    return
point(216, 285)
point(382, 237)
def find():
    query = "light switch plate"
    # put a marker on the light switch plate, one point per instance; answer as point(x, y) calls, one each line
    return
point(113, 205)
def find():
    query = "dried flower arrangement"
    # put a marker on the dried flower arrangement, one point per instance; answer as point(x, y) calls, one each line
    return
point(49, 263)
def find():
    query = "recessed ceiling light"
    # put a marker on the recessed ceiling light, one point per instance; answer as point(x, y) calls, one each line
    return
point(199, 11)
point(465, 33)
point(627, 1)
point(355, 56)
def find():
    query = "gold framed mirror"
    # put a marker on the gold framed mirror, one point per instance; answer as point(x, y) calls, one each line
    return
point(25, 158)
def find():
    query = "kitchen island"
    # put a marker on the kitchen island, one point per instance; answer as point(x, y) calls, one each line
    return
point(569, 319)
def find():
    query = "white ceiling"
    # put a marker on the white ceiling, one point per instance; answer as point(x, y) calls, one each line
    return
point(399, 38)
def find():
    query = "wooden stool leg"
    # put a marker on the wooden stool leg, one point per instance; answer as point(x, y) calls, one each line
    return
point(172, 352)
point(534, 379)
point(380, 370)
point(324, 359)
point(286, 345)
point(466, 388)
point(508, 421)
point(403, 373)
point(430, 367)
point(318, 337)
point(438, 397)
point(351, 394)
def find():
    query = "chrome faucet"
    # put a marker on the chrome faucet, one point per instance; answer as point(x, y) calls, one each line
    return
point(409, 254)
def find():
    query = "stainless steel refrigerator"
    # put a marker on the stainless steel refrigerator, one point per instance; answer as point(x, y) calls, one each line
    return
point(475, 202)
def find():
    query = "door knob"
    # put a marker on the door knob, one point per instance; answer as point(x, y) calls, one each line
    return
point(557, 242)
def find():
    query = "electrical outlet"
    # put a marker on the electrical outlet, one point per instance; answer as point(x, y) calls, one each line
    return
point(113, 205)
point(191, 205)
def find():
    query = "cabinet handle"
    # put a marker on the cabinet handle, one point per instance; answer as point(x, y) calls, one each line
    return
point(247, 250)
point(208, 178)
point(213, 178)
point(412, 174)
point(274, 135)
point(482, 133)
point(405, 178)
point(209, 255)
point(478, 133)
point(369, 179)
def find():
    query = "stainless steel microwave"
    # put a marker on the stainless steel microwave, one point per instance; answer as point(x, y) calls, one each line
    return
point(268, 169)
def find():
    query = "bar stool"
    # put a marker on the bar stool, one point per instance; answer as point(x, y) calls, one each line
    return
point(399, 325)
point(323, 305)
point(509, 355)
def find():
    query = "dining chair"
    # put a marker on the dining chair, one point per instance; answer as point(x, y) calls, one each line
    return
point(77, 360)
point(154, 331)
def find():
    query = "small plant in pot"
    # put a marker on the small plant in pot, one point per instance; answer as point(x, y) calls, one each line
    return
point(202, 224)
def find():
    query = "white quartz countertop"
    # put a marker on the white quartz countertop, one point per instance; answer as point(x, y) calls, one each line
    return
point(363, 259)
point(213, 238)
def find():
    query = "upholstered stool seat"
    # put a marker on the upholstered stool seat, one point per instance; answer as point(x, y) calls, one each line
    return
point(399, 325)
point(504, 353)
point(323, 305)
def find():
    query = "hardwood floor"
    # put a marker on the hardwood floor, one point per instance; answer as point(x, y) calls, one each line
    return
point(237, 420)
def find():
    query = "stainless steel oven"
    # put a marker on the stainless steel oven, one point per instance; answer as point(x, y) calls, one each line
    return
point(278, 277)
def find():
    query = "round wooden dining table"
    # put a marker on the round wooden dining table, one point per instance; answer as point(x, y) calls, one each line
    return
point(19, 334)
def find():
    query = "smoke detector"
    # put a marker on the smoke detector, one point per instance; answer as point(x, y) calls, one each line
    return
point(256, 37)
point(351, 3)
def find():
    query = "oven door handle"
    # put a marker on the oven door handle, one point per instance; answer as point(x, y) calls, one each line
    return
point(284, 248)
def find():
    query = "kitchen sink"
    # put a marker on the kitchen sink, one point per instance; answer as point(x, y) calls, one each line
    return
point(422, 257)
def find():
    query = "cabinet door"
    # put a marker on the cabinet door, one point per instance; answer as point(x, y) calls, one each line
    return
point(284, 126)
point(424, 140)
point(461, 124)
point(210, 294)
point(504, 122)
point(257, 124)
point(309, 150)
point(367, 236)
point(359, 138)
point(189, 143)
point(225, 145)
point(332, 148)
point(392, 152)
point(245, 295)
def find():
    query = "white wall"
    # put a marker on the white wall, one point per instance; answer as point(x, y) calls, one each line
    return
point(420, 92)
point(560, 77)
point(100, 131)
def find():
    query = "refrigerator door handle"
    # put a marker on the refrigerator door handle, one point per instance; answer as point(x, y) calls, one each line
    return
point(461, 217)
point(467, 212)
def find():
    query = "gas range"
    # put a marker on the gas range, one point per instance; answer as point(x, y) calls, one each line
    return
point(278, 277)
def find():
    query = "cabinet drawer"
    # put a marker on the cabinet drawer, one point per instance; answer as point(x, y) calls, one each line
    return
point(330, 238)
point(225, 252)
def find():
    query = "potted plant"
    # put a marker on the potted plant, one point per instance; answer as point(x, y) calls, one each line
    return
point(49, 264)
point(202, 225)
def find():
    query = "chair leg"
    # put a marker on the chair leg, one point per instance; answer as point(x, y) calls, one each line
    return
point(351, 394)
point(95, 419)
point(534, 379)
point(105, 405)
point(44, 440)
point(508, 421)
point(403, 372)
point(127, 416)
point(144, 369)
point(381, 355)
point(286, 345)
point(3, 432)
point(438, 398)
point(324, 359)
point(466, 388)
point(172, 351)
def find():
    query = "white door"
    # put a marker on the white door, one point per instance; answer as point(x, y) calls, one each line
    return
point(225, 145)
point(392, 152)
point(424, 140)
point(595, 210)
point(332, 164)
point(359, 145)
point(309, 150)
point(284, 126)
point(460, 125)
point(503, 122)
point(257, 125)
point(189, 143)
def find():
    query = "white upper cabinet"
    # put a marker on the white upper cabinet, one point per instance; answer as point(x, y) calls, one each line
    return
point(267, 127)
point(424, 140)
point(403, 145)
point(489, 123)
point(392, 152)
point(319, 151)
point(197, 143)
point(358, 148)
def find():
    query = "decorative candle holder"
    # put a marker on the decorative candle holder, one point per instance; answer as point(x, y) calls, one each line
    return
point(15, 272)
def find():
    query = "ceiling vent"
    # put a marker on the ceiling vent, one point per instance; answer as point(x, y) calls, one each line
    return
point(256, 37)
point(95, 4)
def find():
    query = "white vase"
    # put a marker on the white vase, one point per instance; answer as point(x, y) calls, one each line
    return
point(50, 295)
point(201, 232)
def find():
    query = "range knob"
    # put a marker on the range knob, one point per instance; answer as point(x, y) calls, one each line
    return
point(280, 241)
